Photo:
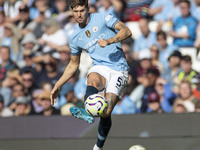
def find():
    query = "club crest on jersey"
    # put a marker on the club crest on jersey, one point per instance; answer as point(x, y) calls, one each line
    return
point(88, 33)
point(95, 29)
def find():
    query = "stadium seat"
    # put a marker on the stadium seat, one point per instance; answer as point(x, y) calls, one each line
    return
point(134, 27)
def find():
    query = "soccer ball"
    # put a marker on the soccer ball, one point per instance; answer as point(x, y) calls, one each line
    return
point(96, 105)
point(137, 147)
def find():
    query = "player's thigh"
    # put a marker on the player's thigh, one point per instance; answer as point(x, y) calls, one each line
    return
point(96, 80)
point(117, 82)
point(115, 86)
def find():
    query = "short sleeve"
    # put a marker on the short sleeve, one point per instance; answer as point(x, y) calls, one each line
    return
point(74, 50)
point(110, 20)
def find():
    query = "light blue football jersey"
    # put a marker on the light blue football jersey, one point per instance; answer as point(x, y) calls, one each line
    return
point(100, 26)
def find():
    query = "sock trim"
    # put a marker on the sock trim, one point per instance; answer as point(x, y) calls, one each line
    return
point(101, 137)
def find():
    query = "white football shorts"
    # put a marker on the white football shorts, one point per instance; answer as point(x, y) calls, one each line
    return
point(115, 80)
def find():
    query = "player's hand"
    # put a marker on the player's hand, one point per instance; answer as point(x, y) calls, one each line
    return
point(103, 42)
point(54, 94)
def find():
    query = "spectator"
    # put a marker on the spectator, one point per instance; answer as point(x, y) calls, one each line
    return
point(184, 27)
point(39, 25)
point(11, 39)
point(36, 106)
point(1, 4)
point(133, 64)
point(147, 38)
point(6, 92)
point(29, 47)
point(28, 63)
point(173, 10)
point(187, 72)
point(154, 103)
point(46, 86)
point(141, 77)
point(53, 37)
point(24, 24)
point(12, 78)
point(50, 72)
point(195, 13)
point(7, 64)
point(17, 91)
point(155, 53)
point(129, 56)
point(196, 10)
point(70, 26)
point(164, 10)
point(172, 71)
point(64, 58)
point(2, 22)
point(135, 10)
point(166, 95)
point(114, 7)
point(197, 107)
point(22, 106)
point(179, 107)
point(125, 105)
point(157, 8)
point(93, 8)
point(71, 98)
point(62, 12)
point(144, 64)
point(46, 104)
point(29, 42)
point(151, 77)
point(165, 49)
point(11, 9)
point(4, 111)
point(28, 82)
point(196, 91)
point(40, 7)
point(186, 95)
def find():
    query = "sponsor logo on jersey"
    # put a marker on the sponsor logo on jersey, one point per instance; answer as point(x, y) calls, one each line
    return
point(95, 29)
point(89, 47)
point(88, 33)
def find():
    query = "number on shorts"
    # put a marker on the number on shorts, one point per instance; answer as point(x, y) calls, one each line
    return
point(119, 82)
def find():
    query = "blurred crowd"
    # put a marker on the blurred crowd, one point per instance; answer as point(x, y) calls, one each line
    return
point(34, 51)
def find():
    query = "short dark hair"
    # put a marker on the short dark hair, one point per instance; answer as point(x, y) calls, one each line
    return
point(186, 58)
point(185, 1)
point(161, 33)
point(75, 3)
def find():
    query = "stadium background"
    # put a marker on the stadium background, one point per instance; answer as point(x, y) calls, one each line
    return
point(153, 131)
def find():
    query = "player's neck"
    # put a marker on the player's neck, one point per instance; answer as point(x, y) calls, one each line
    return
point(82, 25)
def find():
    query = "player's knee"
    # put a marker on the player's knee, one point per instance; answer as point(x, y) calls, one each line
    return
point(95, 84)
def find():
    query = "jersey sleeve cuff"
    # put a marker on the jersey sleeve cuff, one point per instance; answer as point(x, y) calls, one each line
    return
point(115, 24)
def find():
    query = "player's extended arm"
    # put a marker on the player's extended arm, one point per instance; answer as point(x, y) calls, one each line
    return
point(124, 33)
point(71, 68)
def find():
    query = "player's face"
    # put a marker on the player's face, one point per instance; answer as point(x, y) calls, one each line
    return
point(80, 14)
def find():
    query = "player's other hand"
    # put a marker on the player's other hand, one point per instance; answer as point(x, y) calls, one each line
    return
point(54, 94)
point(103, 42)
